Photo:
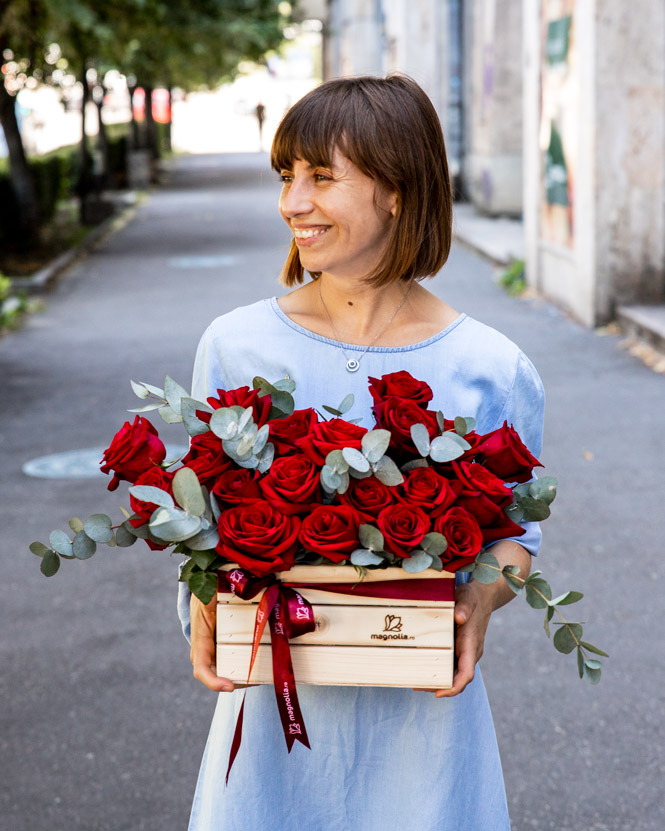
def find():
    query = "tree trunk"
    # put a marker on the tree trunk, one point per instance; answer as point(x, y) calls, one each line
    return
point(169, 144)
point(151, 125)
point(103, 175)
point(84, 160)
point(134, 138)
point(20, 175)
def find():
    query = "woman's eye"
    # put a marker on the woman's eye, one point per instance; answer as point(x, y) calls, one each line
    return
point(323, 177)
point(285, 178)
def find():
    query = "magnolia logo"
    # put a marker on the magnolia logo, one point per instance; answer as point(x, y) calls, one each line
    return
point(302, 613)
point(393, 623)
point(235, 575)
point(260, 614)
point(294, 729)
point(392, 630)
point(279, 628)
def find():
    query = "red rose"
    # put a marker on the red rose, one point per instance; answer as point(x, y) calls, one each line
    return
point(285, 431)
point(504, 454)
point(292, 484)
point(400, 385)
point(403, 528)
point(483, 494)
point(501, 528)
point(330, 435)
point(368, 496)
point(237, 486)
point(156, 478)
point(241, 397)
point(331, 531)
point(258, 537)
point(398, 416)
point(135, 448)
point(424, 487)
point(463, 535)
point(207, 458)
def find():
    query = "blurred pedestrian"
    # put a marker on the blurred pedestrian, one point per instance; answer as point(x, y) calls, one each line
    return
point(260, 113)
point(367, 196)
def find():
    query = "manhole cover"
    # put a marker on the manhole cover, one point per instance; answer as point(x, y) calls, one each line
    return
point(79, 464)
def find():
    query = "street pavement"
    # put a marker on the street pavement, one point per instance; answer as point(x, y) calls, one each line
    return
point(102, 726)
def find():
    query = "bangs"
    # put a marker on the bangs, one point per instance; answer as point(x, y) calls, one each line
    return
point(313, 128)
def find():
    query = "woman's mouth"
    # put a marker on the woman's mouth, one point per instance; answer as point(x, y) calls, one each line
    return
point(307, 236)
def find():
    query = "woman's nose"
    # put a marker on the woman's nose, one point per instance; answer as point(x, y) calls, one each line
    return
point(296, 198)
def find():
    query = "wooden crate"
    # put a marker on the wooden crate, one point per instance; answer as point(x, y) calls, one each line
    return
point(358, 641)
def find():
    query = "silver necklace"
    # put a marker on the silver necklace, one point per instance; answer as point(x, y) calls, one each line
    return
point(353, 364)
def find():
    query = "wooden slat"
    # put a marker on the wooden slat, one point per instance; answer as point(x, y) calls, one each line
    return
point(314, 596)
point(350, 625)
point(346, 574)
point(344, 666)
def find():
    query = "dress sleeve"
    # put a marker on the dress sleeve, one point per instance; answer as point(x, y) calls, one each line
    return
point(207, 377)
point(524, 408)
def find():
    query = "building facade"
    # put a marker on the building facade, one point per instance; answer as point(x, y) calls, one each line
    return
point(553, 110)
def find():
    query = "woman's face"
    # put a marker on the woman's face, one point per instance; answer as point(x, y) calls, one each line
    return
point(338, 216)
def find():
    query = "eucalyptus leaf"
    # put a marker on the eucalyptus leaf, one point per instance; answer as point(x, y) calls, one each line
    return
point(203, 585)
point(75, 524)
point(580, 662)
point(332, 410)
point(375, 444)
point(347, 403)
point(60, 542)
point(187, 491)
point(169, 416)
point(174, 394)
point(50, 564)
point(173, 525)
point(335, 461)
point(344, 486)
point(266, 458)
point(434, 543)
point(214, 504)
point(460, 426)
point(39, 549)
point(123, 537)
point(261, 439)
point(515, 512)
point(98, 528)
point(591, 648)
point(566, 599)
point(592, 675)
point(204, 540)
point(487, 568)
point(420, 438)
point(413, 464)
point(370, 537)
point(140, 390)
point(437, 565)
point(245, 418)
point(566, 637)
point(193, 424)
point(147, 408)
point(282, 404)
point(445, 449)
point(543, 489)
point(125, 512)
point(83, 547)
point(365, 557)
point(142, 532)
point(285, 385)
point(386, 471)
point(355, 459)
point(440, 420)
point(514, 582)
point(224, 423)
point(417, 562)
point(538, 593)
point(149, 387)
point(535, 510)
point(155, 496)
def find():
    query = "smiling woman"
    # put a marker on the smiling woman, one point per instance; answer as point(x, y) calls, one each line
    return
point(366, 194)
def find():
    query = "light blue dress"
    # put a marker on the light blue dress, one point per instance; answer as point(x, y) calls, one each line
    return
point(381, 759)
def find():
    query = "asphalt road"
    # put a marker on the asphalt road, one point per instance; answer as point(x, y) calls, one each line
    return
point(102, 726)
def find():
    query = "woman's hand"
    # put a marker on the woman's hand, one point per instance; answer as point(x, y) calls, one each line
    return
point(203, 651)
point(474, 604)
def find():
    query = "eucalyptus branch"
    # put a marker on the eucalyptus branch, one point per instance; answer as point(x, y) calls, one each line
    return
point(538, 595)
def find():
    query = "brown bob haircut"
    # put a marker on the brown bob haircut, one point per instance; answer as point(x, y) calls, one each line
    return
point(389, 129)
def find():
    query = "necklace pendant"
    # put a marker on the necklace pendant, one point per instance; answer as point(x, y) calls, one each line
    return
point(352, 365)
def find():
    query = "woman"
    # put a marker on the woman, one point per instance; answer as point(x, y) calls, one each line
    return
point(366, 194)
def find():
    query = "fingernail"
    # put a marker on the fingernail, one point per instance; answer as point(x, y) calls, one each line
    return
point(227, 688)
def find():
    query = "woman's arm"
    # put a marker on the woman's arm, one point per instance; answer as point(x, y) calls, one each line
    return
point(202, 653)
point(474, 604)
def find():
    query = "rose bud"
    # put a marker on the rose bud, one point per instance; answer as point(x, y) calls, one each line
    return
point(504, 454)
point(135, 448)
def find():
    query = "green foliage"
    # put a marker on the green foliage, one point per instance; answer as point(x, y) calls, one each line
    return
point(513, 279)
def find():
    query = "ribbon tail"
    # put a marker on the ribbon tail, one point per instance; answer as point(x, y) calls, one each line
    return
point(263, 612)
point(293, 723)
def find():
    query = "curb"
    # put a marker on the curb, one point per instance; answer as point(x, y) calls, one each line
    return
point(42, 280)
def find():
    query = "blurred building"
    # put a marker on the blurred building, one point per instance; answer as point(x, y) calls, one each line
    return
point(553, 110)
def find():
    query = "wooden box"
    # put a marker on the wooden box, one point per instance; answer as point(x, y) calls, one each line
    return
point(358, 641)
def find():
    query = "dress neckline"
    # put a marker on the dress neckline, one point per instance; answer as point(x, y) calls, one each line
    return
point(359, 347)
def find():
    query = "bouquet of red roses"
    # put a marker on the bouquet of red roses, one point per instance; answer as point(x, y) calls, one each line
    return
point(267, 486)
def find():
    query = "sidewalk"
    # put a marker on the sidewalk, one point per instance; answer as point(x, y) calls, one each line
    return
point(101, 701)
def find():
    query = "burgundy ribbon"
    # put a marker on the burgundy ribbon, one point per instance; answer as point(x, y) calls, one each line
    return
point(290, 615)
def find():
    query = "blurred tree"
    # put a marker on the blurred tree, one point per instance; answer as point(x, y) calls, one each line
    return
point(154, 43)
